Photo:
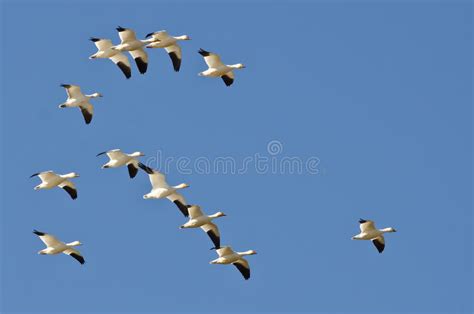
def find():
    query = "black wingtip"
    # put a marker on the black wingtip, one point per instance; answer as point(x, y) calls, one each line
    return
point(182, 207)
point(227, 80)
point(149, 35)
point(379, 245)
point(214, 238)
point(145, 168)
point(79, 258)
point(94, 39)
point(361, 221)
point(65, 85)
point(175, 60)
point(38, 233)
point(244, 271)
point(127, 71)
point(100, 154)
point(141, 65)
point(72, 192)
point(34, 175)
point(120, 29)
point(203, 52)
point(132, 171)
point(87, 115)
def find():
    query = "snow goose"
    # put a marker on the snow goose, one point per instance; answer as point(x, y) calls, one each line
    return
point(369, 232)
point(199, 219)
point(105, 51)
point(130, 43)
point(118, 159)
point(217, 68)
point(49, 180)
point(228, 256)
point(75, 98)
point(54, 246)
point(170, 43)
point(161, 189)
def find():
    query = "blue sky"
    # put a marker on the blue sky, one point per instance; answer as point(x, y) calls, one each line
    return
point(380, 93)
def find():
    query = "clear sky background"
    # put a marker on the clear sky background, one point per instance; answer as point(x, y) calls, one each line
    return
point(380, 93)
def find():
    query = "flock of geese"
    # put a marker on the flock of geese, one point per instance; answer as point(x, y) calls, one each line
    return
point(117, 158)
point(130, 43)
point(160, 188)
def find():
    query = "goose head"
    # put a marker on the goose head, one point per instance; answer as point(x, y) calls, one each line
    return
point(184, 37)
point(137, 154)
point(75, 243)
point(239, 66)
point(72, 175)
point(219, 214)
point(249, 252)
point(182, 186)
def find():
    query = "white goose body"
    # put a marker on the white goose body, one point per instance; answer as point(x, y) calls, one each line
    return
point(117, 158)
point(161, 39)
point(105, 51)
point(228, 256)
point(134, 46)
point(369, 232)
point(161, 189)
point(49, 180)
point(54, 246)
point(217, 68)
point(199, 220)
point(75, 98)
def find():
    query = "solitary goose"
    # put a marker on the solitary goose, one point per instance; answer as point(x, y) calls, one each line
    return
point(170, 43)
point(117, 159)
point(49, 180)
point(105, 51)
point(130, 43)
point(75, 98)
point(161, 189)
point(54, 246)
point(369, 232)
point(228, 256)
point(217, 68)
point(198, 219)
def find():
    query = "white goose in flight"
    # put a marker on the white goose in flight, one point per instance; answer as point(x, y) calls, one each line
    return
point(217, 68)
point(228, 256)
point(170, 43)
point(105, 51)
point(199, 219)
point(54, 246)
point(49, 180)
point(117, 158)
point(130, 43)
point(161, 189)
point(75, 98)
point(369, 232)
